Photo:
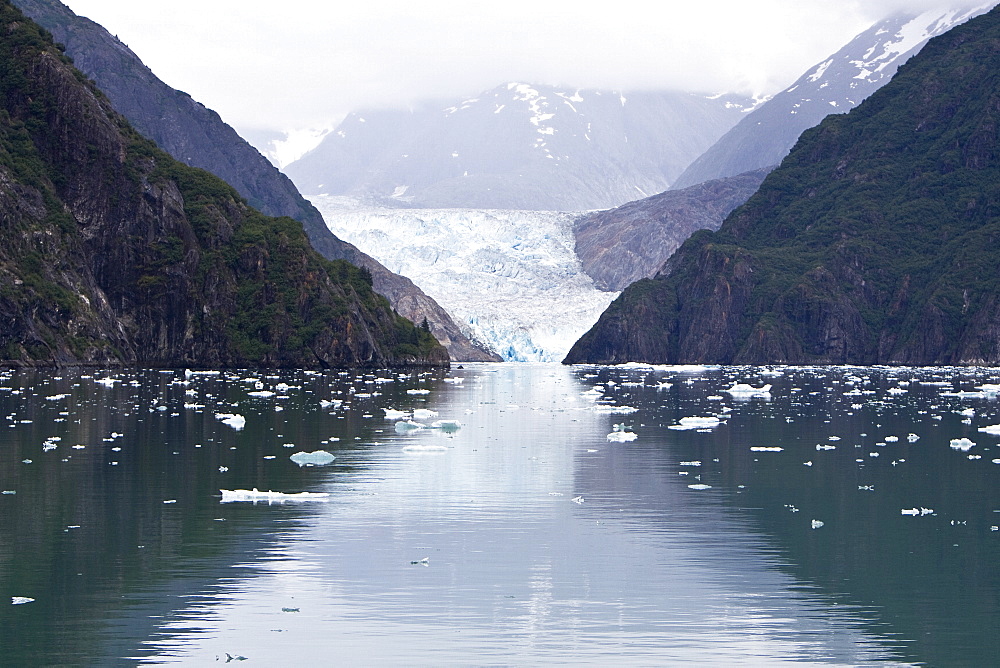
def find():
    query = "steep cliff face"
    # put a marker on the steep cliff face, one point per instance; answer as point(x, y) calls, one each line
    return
point(622, 245)
point(876, 241)
point(197, 136)
point(114, 253)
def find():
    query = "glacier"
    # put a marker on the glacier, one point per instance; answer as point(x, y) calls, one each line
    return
point(511, 279)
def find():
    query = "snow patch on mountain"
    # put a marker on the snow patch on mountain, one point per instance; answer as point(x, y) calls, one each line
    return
point(510, 279)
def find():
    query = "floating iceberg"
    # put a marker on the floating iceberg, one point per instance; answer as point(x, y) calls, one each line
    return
point(696, 423)
point(418, 391)
point(621, 436)
point(393, 414)
point(234, 420)
point(264, 394)
point(447, 426)
point(406, 426)
point(699, 486)
point(255, 496)
point(765, 449)
point(423, 414)
point(916, 512)
point(20, 600)
point(962, 444)
point(335, 403)
point(317, 458)
point(816, 524)
point(992, 430)
point(744, 391)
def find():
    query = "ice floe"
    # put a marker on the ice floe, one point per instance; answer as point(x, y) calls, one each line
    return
point(256, 496)
point(315, 458)
point(684, 423)
point(744, 391)
point(962, 444)
point(234, 420)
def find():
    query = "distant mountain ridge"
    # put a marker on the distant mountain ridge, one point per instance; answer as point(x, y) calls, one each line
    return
point(197, 136)
point(874, 242)
point(765, 136)
point(519, 146)
point(620, 246)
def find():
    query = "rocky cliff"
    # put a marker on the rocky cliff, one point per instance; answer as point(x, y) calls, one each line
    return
point(114, 253)
point(875, 241)
point(197, 136)
point(622, 245)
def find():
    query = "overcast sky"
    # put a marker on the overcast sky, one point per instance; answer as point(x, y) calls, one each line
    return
point(300, 64)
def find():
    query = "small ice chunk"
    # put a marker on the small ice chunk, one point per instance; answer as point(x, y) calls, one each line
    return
point(20, 600)
point(264, 394)
point(816, 524)
point(992, 430)
point(742, 390)
point(962, 444)
point(699, 486)
point(406, 426)
point(335, 403)
point(418, 391)
point(765, 449)
point(393, 414)
point(447, 426)
point(254, 496)
point(234, 420)
point(913, 438)
point(577, 499)
point(621, 436)
point(316, 458)
point(423, 414)
point(696, 423)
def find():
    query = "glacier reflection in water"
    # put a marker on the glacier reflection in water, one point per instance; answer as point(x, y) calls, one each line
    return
point(771, 532)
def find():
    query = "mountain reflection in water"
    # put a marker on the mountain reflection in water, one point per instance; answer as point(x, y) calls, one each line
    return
point(520, 535)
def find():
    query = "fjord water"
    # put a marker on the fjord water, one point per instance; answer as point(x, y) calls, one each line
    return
point(525, 537)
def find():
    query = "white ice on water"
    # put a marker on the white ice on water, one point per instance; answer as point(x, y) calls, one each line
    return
point(256, 496)
point(696, 423)
point(316, 458)
point(744, 391)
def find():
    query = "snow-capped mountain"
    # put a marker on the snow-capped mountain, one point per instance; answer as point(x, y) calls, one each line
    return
point(509, 278)
point(519, 146)
point(837, 85)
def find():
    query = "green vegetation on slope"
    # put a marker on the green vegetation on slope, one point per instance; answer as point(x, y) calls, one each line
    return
point(874, 242)
point(116, 253)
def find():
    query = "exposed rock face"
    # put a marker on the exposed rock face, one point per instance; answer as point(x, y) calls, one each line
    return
point(622, 245)
point(114, 253)
point(197, 136)
point(519, 146)
point(835, 86)
point(875, 241)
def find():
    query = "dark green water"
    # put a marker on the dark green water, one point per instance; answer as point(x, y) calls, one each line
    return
point(545, 543)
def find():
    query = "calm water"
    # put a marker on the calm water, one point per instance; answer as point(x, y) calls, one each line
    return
point(525, 537)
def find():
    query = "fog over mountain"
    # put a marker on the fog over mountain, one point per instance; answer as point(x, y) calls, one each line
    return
point(519, 146)
point(835, 85)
